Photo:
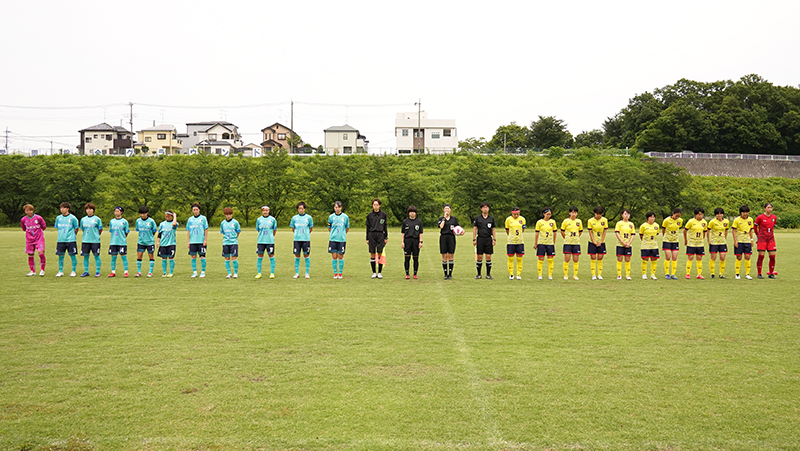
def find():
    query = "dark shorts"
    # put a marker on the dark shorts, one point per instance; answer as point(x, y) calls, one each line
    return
point(593, 250)
point(717, 248)
point(115, 249)
point(301, 246)
point(71, 248)
point(447, 244)
point(744, 248)
point(411, 246)
point(336, 247)
point(695, 250)
point(376, 242)
point(197, 249)
point(230, 250)
point(766, 245)
point(650, 253)
point(546, 249)
point(572, 249)
point(261, 248)
point(667, 246)
point(149, 248)
point(166, 251)
point(87, 248)
point(623, 251)
point(483, 245)
point(518, 249)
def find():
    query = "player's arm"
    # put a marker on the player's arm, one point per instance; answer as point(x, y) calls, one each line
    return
point(494, 234)
point(603, 238)
point(474, 232)
point(420, 240)
point(188, 238)
point(205, 237)
point(536, 238)
point(685, 236)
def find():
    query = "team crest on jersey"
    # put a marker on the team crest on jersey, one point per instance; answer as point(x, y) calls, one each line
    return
point(603, 223)
point(416, 227)
point(489, 225)
point(382, 221)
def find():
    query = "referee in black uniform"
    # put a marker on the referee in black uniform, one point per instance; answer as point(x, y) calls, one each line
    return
point(411, 239)
point(377, 236)
point(484, 239)
point(447, 241)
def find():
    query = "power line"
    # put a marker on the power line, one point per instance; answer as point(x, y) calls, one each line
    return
point(26, 107)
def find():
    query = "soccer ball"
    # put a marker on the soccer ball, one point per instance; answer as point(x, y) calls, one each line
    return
point(458, 230)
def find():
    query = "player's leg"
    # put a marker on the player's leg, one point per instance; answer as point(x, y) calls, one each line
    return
point(689, 263)
point(722, 257)
point(772, 273)
point(139, 254)
point(575, 264)
point(628, 266)
point(760, 261)
point(713, 263)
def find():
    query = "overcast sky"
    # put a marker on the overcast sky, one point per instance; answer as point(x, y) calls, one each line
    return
point(484, 64)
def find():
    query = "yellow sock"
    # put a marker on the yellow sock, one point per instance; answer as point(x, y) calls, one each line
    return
point(747, 266)
point(674, 267)
point(566, 269)
point(737, 266)
point(653, 266)
point(619, 268)
point(539, 266)
point(599, 267)
point(550, 266)
point(575, 266)
point(713, 266)
point(628, 269)
point(699, 267)
point(688, 267)
point(722, 268)
point(644, 267)
point(667, 264)
point(511, 265)
point(593, 266)
point(519, 266)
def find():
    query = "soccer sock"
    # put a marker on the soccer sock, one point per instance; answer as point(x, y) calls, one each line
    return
point(444, 267)
point(688, 266)
point(539, 266)
point(575, 266)
point(478, 265)
point(519, 266)
point(97, 263)
point(31, 263)
point(124, 262)
point(550, 266)
point(74, 260)
point(203, 264)
point(619, 268)
point(450, 270)
point(667, 264)
point(380, 268)
point(722, 267)
point(644, 267)
point(628, 269)
point(228, 266)
point(759, 263)
point(712, 266)
point(236, 266)
point(297, 265)
point(599, 267)
point(60, 263)
point(747, 265)
point(566, 269)
point(138, 265)
point(372, 265)
point(737, 265)
point(335, 266)
point(171, 266)
point(42, 261)
point(416, 265)
point(152, 265)
point(86, 263)
point(272, 265)
point(593, 267)
point(259, 261)
point(510, 265)
point(653, 267)
point(699, 267)
point(341, 266)
point(674, 267)
point(308, 264)
point(489, 268)
point(164, 265)
point(407, 263)
point(194, 264)
point(113, 263)
point(771, 264)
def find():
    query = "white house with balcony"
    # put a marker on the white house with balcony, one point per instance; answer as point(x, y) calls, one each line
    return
point(344, 140)
point(415, 133)
point(213, 137)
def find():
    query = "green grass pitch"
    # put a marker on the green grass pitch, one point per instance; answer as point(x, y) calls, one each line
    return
point(362, 364)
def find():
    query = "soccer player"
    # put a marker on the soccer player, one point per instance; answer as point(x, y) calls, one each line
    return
point(33, 225)
point(597, 225)
point(571, 231)
point(92, 227)
point(718, 241)
point(230, 230)
point(694, 234)
point(302, 225)
point(118, 244)
point(166, 242)
point(266, 226)
point(515, 245)
point(765, 231)
point(338, 225)
point(625, 231)
point(545, 241)
point(377, 237)
point(147, 229)
point(447, 240)
point(67, 226)
point(743, 240)
point(648, 233)
point(484, 238)
point(197, 236)
point(411, 239)
point(670, 242)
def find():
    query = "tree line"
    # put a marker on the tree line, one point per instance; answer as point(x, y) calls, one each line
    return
point(588, 177)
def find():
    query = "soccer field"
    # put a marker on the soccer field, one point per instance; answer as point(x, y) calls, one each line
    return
point(363, 364)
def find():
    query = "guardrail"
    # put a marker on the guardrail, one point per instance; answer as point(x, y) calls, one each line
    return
point(723, 156)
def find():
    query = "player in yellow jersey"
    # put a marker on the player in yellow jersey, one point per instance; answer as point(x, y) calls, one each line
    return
point(597, 225)
point(694, 237)
point(625, 231)
point(718, 241)
point(670, 228)
point(648, 233)
point(743, 240)
point(515, 247)
point(571, 230)
point(545, 241)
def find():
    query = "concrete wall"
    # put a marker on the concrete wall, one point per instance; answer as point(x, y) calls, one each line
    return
point(737, 168)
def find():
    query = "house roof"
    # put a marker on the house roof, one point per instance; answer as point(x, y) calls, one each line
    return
point(273, 125)
point(105, 128)
point(159, 128)
point(271, 143)
point(206, 142)
point(209, 123)
point(341, 128)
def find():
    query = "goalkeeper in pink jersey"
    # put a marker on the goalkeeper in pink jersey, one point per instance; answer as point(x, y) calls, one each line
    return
point(34, 227)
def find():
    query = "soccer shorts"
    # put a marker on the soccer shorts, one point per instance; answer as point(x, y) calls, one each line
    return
point(668, 246)
point(166, 251)
point(695, 250)
point(336, 247)
point(230, 250)
point(376, 242)
point(115, 249)
point(766, 245)
point(744, 248)
point(34, 246)
point(304, 246)
point(593, 250)
point(197, 249)
point(71, 248)
point(149, 248)
point(411, 246)
point(718, 248)
point(518, 249)
point(447, 244)
point(483, 245)
point(262, 247)
point(623, 251)
point(572, 249)
point(652, 254)
point(87, 248)
point(546, 249)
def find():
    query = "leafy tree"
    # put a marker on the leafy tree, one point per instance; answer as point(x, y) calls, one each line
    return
point(511, 138)
point(473, 145)
point(592, 138)
point(549, 132)
point(17, 185)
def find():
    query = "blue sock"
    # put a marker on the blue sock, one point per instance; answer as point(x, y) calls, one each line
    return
point(171, 265)
point(86, 263)
point(194, 265)
point(258, 264)
point(60, 263)
point(113, 263)
point(272, 265)
point(203, 264)
point(74, 262)
point(228, 266)
point(236, 266)
point(124, 262)
point(138, 265)
point(341, 265)
point(97, 264)
point(152, 265)
point(308, 264)
point(164, 265)
point(297, 265)
point(335, 266)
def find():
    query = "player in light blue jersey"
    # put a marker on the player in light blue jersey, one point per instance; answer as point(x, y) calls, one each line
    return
point(339, 225)
point(67, 241)
point(197, 232)
point(166, 242)
point(92, 227)
point(230, 231)
point(302, 225)
point(118, 245)
point(147, 229)
point(266, 226)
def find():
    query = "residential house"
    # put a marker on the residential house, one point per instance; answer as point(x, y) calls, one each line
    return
point(415, 133)
point(277, 136)
point(104, 139)
point(159, 140)
point(344, 140)
point(213, 136)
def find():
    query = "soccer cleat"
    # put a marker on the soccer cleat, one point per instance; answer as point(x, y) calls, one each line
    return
point(593, 277)
point(415, 277)
point(566, 278)
point(125, 274)
point(41, 273)
point(59, 274)
point(228, 276)
point(772, 276)
point(653, 276)
point(510, 277)
point(164, 275)
point(700, 276)
point(488, 277)
point(549, 277)
point(138, 274)
point(258, 276)
point(149, 274)
point(688, 276)
point(336, 276)
point(540, 277)
point(644, 276)
point(113, 274)
point(374, 275)
point(599, 277)
point(194, 274)
point(408, 277)
point(713, 276)
point(169, 275)
point(478, 276)
point(748, 277)
point(760, 276)
point(272, 276)
point(737, 277)
point(85, 274)
point(32, 273)
point(628, 277)
point(380, 276)
point(519, 277)
point(202, 274)
point(575, 278)
point(97, 274)
point(619, 277)
point(721, 276)
point(236, 275)
point(72, 274)
point(307, 276)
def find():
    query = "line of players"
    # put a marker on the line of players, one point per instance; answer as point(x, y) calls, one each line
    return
point(163, 237)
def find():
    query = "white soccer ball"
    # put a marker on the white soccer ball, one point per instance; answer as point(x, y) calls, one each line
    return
point(458, 230)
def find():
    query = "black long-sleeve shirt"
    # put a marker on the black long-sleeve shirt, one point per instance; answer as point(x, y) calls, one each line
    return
point(376, 222)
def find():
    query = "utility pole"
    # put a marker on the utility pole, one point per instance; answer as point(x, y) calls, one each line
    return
point(6, 152)
point(291, 126)
point(131, 105)
point(419, 126)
